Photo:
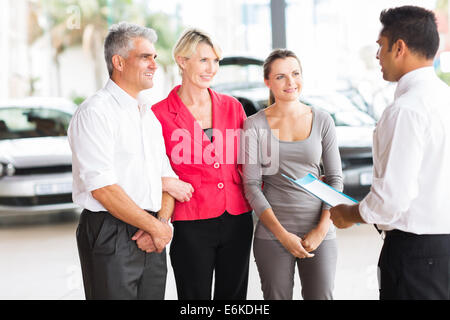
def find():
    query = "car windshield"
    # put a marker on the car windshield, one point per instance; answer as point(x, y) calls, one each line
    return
point(19, 122)
point(231, 77)
point(344, 113)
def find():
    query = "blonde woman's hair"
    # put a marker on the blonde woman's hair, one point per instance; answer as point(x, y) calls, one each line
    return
point(188, 42)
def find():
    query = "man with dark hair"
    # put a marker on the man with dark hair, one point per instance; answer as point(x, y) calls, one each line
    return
point(415, 26)
point(411, 156)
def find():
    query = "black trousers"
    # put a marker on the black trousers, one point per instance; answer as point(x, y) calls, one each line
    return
point(414, 267)
point(112, 265)
point(221, 246)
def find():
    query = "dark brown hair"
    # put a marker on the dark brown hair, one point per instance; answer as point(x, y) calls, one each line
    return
point(275, 55)
point(414, 25)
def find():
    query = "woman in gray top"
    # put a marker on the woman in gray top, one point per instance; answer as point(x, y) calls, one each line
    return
point(294, 227)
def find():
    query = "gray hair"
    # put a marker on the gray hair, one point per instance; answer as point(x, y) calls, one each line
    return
point(120, 40)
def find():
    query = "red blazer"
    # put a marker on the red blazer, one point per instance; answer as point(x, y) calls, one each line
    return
point(211, 168)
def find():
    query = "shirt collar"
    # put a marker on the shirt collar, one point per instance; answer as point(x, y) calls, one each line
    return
point(123, 99)
point(412, 77)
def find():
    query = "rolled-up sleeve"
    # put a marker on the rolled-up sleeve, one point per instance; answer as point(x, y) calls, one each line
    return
point(251, 168)
point(92, 149)
point(167, 170)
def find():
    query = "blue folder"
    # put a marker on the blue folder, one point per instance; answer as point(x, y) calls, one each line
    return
point(321, 190)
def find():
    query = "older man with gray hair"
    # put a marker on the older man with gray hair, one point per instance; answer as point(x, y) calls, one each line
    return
point(119, 160)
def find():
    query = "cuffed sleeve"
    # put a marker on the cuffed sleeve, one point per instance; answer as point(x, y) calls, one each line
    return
point(92, 149)
point(167, 170)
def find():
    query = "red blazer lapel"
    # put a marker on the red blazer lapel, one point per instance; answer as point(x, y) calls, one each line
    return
point(219, 121)
point(185, 120)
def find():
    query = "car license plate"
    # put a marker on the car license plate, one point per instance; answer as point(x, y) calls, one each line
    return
point(53, 188)
point(365, 179)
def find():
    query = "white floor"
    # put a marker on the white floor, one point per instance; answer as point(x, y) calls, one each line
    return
point(39, 260)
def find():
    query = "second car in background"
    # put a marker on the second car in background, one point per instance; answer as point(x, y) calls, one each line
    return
point(35, 158)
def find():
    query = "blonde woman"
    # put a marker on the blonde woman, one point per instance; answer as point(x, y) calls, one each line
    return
point(213, 228)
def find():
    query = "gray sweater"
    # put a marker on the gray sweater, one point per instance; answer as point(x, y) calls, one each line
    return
point(265, 158)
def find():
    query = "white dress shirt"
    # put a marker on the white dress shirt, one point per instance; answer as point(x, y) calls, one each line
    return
point(114, 141)
point(411, 155)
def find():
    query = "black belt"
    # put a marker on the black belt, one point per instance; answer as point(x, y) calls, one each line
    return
point(87, 215)
point(397, 232)
point(400, 233)
point(378, 230)
point(394, 232)
point(155, 214)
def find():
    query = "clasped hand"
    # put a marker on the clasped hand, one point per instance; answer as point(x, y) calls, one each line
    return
point(156, 242)
point(302, 248)
point(293, 244)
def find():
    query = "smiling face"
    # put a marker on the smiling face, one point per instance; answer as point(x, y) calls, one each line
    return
point(285, 79)
point(201, 67)
point(139, 67)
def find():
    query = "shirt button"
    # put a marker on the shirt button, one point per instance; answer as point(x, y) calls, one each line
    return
point(220, 185)
point(216, 165)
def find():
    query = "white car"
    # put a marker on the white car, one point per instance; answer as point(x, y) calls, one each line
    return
point(35, 156)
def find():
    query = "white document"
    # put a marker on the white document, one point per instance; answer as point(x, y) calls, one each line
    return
point(323, 191)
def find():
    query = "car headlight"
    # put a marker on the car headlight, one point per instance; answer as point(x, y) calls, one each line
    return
point(7, 169)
